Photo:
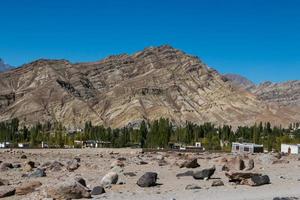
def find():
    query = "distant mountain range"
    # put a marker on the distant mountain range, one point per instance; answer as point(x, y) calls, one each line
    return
point(4, 66)
point(126, 89)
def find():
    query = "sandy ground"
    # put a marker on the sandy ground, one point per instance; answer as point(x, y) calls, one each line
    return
point(95, 163)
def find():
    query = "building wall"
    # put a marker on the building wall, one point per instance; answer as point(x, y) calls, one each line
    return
point(294, 148)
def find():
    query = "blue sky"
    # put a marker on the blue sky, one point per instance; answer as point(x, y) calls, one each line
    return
point(259, 39)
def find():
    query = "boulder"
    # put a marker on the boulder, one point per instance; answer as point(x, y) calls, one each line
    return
point(27, 187)
point(192, 187)
point(237, 177)
point(29, 166)
point(6, 191)
point(54, 166)
point(117, 163)
point(192, 163)
point(69, 189)
point(72, 165)
point(109, 179)
point(256, 181)
point(5, 166)
point(23, 156)
point(80, 180)
point(205, 173)
point(217, 183)
point(235, 163)
point(147, 180)
point(97, 190)
point(37, 173)
point(250, 165)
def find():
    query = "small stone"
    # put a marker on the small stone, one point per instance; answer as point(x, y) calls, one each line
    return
point(192, 187)
point(217, 183)
point(23, 157)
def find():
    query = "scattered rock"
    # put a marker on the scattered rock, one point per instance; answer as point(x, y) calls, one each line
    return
point(23, 157)
point(192, 187)
point(256, 181)
point(162, 163)
point(29, 166)
point(27, 187)
point(54, 166)
point(70, 189)
point(80, 180)
point(109, 179)
point(97, 190)
point(6, 191)
point(147, 180)
point(6, 166)
point(16, 165)
point(118, 163)
point(217, 183)
point(237, 177)
point(205, 173)
point(187, 173)
point(72, 165)
point(192, 163)
point(235, 163)
point(37, 173)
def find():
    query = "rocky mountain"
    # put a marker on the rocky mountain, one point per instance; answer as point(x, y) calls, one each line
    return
point(125, 89)
point(4, 66)
point(240, 81)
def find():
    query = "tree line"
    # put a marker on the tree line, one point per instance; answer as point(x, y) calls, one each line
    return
point(159, 133)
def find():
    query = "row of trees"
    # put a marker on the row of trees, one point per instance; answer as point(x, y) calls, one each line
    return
point(158, 133)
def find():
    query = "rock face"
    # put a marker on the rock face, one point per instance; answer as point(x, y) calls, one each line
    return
point(147, 180)
point(240, 81)
point(125, 89)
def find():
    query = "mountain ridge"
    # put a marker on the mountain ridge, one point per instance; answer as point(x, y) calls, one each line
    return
point(126, 89)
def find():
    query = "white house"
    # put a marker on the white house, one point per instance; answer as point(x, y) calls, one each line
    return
point(290, 148)
point(247, 148)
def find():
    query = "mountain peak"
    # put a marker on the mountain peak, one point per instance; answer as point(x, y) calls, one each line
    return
point(4, 66)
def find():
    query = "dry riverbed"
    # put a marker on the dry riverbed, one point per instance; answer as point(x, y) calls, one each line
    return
point(116, 174)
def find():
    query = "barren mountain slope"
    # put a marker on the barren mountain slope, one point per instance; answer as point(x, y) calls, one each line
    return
point(125, 89)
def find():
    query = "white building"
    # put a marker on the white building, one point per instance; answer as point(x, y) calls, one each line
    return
point(247, 148)
point(290, 148)
point(4, 144)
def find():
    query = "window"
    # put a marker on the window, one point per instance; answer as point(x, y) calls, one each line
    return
point(237, 147)
point(246, 149)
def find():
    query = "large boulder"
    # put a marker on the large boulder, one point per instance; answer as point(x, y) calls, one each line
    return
point(37, 173)
point(237, 177)
point(191, 163)
point(72, 165)
point(236, 163)
point(109, 179)
point(70, 189)
point(27, 187)
point(256, 181)
point(205, 173)
point(6, 191)
point(147, 180)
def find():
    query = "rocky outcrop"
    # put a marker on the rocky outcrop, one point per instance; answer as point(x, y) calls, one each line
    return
point(126, 89)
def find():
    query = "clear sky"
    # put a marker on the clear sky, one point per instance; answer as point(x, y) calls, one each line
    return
point(259, 39)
